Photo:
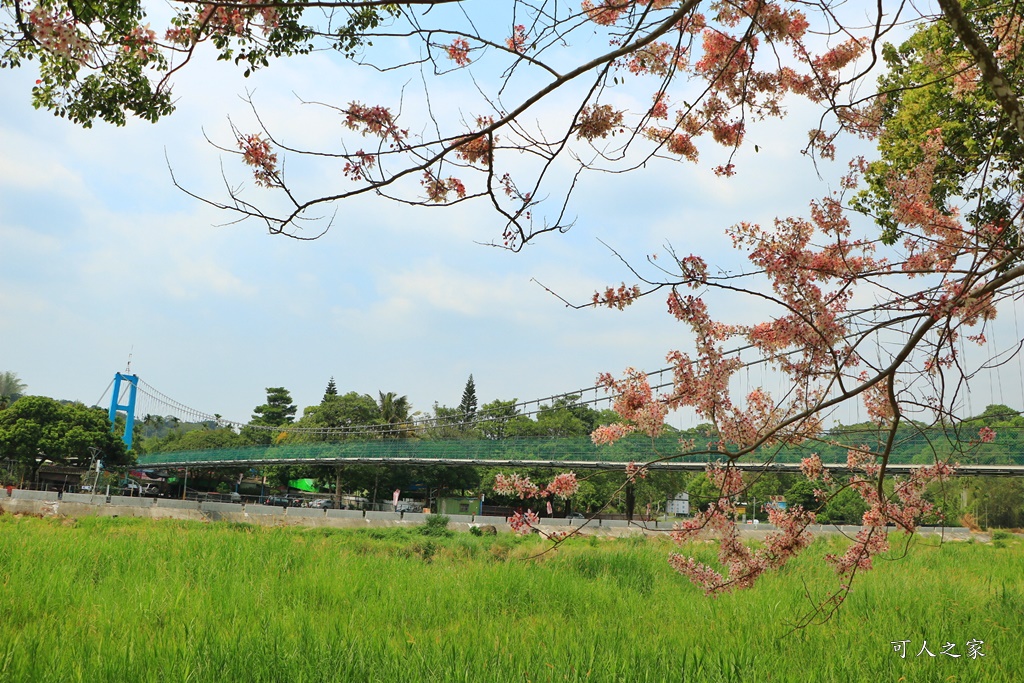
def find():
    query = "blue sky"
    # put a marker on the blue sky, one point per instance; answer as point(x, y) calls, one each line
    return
point(103, 257)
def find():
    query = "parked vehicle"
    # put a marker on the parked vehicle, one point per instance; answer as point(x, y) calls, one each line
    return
point(134, 488)
point(283, 501)
point(322, 504)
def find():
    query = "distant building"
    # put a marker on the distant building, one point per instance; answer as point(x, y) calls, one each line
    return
point(459, 505)
point(679, 505)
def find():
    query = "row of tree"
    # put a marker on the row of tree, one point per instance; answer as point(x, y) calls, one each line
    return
point(354, 416)
point(35, 430)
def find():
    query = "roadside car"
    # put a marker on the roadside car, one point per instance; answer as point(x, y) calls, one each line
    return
point(134, 488)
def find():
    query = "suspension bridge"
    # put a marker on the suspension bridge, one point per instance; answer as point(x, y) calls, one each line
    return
point(414, 442)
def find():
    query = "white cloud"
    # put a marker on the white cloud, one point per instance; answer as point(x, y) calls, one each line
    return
point(24, 243)
point(443, 289)
point(29, 163)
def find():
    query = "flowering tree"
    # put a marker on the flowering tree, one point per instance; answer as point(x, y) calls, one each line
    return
point(877, 316)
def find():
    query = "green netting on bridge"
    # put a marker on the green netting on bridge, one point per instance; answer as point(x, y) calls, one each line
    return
point(921, 449)
point(576, 448)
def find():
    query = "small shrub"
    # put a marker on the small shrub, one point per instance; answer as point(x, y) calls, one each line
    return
point(436, 525)
point(1000, 537)
point(425, 550)
point(499, 552)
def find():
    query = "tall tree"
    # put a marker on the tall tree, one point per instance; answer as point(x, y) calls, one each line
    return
point(216, 438)
point(393, 411)
point(934, 86)
point(332, 389)
point(37, 429)
point(496, 416)
point(339, 412)
point(11, 388)
point(278, 411)
point(468, 404)
point(566, 416)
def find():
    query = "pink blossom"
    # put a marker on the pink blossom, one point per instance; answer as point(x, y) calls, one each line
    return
point(256, 152)
point(563, 486)
point(515, 485)
point(634, 471)
point(609, 434)
point(458, 51)
point(523, 522)
point(517, 43)
point(814, 469)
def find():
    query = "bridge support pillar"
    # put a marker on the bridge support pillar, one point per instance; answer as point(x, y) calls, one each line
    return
point(129, 408)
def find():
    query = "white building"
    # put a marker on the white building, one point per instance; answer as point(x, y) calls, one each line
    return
point(679, 505)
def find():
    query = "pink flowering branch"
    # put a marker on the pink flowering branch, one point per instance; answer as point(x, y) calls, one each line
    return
point(741, 566)
point(562, 486)
point(734, 52)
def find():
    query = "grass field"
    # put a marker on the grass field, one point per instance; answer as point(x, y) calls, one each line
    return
point(99, 599)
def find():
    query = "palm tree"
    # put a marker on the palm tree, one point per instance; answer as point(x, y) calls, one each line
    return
point(394, 411)
point(11, 388)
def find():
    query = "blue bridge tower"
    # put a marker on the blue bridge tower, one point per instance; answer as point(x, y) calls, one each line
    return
point(129, 408)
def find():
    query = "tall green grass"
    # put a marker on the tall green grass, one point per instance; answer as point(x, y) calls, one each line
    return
point(101, 599)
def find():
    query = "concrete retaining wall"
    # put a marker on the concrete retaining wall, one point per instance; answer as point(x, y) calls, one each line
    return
point(22, 494)
point(98, 499)
point(311, 513)
point(374, 515)
point(132, 502)
point(488, 519)
point(344, 514)
point(264, 510)
point(221, 508)
point(177, 504)
point(414, 517)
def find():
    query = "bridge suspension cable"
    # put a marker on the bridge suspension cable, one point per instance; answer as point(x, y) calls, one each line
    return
point(520, 408)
